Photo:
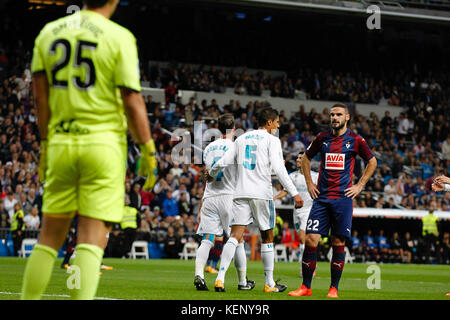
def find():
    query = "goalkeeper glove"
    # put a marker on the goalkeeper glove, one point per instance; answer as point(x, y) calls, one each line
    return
point(149, 165)
point(43, 161)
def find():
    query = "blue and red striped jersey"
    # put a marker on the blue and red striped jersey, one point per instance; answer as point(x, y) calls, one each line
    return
point(338, 156)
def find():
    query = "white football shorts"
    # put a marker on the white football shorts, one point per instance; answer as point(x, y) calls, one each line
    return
point(259, 211)
point(301, 217)
point(215, 215)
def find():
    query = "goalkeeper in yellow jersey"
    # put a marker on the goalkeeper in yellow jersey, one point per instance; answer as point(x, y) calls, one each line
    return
point(87, 89)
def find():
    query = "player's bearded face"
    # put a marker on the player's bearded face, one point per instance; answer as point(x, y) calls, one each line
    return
point(338, 119)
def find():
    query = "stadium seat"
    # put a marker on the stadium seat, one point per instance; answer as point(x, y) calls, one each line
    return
point(189, 250)
point(295, 255)
point(139, 244)
point(25, 248)
point(280, 253)
point(348, 256)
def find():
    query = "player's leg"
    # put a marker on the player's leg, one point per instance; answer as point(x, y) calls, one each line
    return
point(337, 261)
point(229, 251)
point(225, 205)
point(101, 203)
point(240, 262)
point(268, 259)
point(300, 220)
point(92, 241)
point(200, 261)
point(40, 264)
point(302, 240)
point(59, 204)
point(317, 225)
point(215, 253)
point(240, 218)
point(263, 212)
point(208, 228)
point(203, 254)
point(341, 222)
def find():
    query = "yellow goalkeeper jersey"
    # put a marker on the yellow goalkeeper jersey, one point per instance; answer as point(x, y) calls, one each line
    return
point(86, 58)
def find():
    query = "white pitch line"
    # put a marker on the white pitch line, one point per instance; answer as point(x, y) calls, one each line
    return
point(59, 295)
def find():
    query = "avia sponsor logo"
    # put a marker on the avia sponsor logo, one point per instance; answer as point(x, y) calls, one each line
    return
point(335, 161)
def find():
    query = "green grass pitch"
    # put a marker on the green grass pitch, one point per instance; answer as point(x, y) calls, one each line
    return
point(162, 279)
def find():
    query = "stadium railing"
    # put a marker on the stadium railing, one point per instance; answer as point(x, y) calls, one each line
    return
point(290, 106)
point(386, 213)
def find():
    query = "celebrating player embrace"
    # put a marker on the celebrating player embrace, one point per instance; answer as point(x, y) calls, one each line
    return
point(256, 154)
point(216, 208)
point(333, 205)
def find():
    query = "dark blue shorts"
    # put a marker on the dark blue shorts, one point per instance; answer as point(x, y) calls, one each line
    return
point(331, 213)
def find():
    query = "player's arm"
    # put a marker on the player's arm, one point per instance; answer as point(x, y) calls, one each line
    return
point(439, 186)
point(442, 179)
point(282, 194)
point(126, 77)
point(199, 211)
point(227, 159)
point(312, 187)
point(365, 153)
point(136, 113)
point(277, 164)
point(41, 93)
point(310, 153)
point(139, 126)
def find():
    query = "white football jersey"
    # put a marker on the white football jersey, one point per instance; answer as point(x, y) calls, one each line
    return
point(300, 183)
point(225, 181)
point(256, 153)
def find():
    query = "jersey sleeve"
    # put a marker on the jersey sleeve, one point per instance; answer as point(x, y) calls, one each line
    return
point(127, 72)
point(277, 164)
point(314, 147)
point(363, 149)
point(37, 61)
point(227, 159)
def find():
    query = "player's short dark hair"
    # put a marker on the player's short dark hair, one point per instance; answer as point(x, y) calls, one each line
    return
point(340, 105)
point(265, 115)
point(93, 4)
point(226, 122)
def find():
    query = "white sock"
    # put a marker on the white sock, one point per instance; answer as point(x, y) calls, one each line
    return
point(240, 262)
point(202, 257)
point(268, 260)
point(228, 252)
point(300, 256)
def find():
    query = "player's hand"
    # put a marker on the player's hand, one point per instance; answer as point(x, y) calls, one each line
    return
point(313, 191)
point(205, 175)
point(353, 191)
point(442, 179)
point(436, 187)
point(298, 201)
point(149, 165)
point(43, 161)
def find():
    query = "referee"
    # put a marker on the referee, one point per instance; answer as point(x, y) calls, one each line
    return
point(86, 86)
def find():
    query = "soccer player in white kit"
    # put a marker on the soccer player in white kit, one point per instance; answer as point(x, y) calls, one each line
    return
point(301, 214)
point(256, 153)
point(216, 208)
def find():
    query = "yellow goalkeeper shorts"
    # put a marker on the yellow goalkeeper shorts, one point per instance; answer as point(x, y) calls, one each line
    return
point(86, 173)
